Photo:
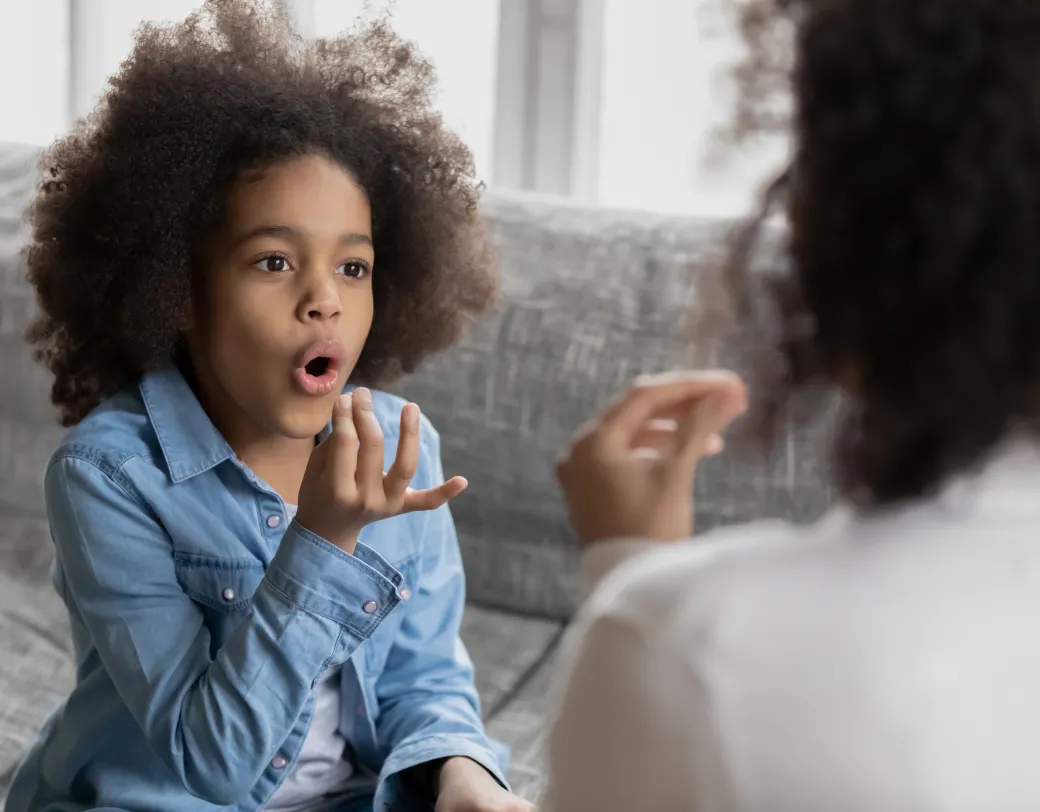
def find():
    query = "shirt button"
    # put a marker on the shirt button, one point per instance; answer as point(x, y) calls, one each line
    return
point(274, 521)
point(370, 607)
point(228, 594)
point(405, 593)
point(279, 762)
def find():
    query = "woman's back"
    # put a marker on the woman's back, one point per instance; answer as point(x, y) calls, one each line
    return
point(887, 663)
point(885, 660)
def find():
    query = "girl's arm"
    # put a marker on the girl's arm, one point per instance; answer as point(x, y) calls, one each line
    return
point(216, 721)
point(429, 710)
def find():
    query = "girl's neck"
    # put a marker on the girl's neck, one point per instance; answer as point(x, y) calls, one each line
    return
point(277, 460)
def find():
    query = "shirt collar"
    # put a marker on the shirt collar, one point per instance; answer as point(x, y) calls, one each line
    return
point(190, 443)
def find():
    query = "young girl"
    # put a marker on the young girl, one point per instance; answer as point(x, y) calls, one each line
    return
point(265, 615)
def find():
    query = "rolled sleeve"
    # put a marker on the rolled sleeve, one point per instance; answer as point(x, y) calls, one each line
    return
point(356, 591)
point(429, 709)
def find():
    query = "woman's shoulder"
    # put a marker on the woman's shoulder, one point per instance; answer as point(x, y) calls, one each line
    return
point(689, 590)
point(652, 581)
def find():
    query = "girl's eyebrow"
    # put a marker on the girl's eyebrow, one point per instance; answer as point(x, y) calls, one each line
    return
point(296, 235)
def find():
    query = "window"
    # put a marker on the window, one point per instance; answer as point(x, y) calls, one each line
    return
point(460, 37)
point(34, 70)
point(664, 98)
point(102, 36)
point(614, 102)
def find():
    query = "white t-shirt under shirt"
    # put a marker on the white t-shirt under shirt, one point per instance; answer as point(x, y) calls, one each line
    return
point(323, 767)
point(882, 664)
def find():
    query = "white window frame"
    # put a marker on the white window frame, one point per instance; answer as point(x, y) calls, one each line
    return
point(85, 54)
point(548, 88)
point(547, 118)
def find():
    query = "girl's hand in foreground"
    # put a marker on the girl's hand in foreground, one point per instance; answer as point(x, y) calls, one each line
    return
point(345, 488)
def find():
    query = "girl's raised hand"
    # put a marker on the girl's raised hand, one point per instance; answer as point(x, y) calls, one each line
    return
point(345, 487)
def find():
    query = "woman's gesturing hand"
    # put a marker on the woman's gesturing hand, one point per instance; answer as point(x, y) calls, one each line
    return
point(629, 472)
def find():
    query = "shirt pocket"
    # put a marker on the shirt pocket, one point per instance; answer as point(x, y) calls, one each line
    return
point(222, 588)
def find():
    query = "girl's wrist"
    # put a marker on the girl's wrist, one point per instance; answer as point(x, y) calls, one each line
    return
point(347, 542)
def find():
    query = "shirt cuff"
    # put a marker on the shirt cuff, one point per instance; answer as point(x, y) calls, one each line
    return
point(600, 559)
point(356, 591)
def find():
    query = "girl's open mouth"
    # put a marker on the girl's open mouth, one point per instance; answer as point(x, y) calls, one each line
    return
point(318, 370)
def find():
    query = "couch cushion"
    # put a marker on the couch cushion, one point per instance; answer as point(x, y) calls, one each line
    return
point(26, 551)
point(505, 648)
point(521, 722)
point(28, 430)
point(36, 669)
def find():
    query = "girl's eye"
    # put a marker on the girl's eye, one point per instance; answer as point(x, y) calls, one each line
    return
point(354, 269)
point(273, 264)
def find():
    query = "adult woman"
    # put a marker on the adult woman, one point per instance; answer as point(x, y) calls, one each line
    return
point(883, 659)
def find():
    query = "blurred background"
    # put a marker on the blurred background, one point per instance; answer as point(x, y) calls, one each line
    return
point(615, 103)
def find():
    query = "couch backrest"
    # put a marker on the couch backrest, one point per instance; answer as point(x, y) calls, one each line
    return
point(590, 299)
point(28, 431)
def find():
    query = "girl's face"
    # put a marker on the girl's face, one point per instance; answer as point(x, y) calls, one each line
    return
point(286, 302)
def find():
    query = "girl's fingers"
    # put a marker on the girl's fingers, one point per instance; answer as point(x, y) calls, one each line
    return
point(345, 438)
point(369, 475)
point(395, 483)
point(433, 498)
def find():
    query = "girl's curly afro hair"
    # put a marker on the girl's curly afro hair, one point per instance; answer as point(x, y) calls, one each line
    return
point(912, 272)
point(127, 199)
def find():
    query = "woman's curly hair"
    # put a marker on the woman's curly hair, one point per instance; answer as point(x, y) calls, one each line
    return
point(911, 273)
point(127, 199)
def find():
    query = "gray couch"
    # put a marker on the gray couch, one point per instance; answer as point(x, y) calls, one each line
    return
point(590, 299)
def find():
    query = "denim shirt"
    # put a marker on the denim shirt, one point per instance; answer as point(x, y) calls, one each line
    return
point(202, 619)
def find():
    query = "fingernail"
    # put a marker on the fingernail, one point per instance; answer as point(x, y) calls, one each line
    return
point(364, 398)
point(411, 417)
point(344, 401)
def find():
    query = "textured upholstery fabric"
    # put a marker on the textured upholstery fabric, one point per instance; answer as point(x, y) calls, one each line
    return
point(590, 299)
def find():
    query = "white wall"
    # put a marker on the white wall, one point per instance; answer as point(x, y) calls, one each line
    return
point(102, 36)
point(34, 70)
point(663, 83)
point(461, 38)
point(660, 88)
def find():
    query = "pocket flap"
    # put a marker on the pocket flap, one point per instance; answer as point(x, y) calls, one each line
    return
point(221, 583)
